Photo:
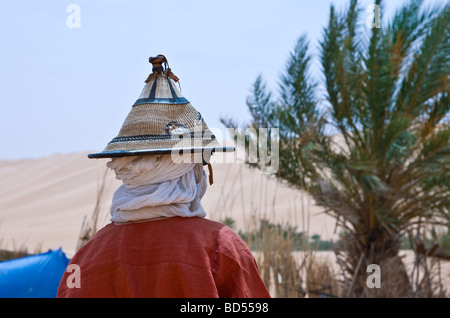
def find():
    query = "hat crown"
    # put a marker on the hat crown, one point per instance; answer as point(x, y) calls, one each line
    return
point(159, 118)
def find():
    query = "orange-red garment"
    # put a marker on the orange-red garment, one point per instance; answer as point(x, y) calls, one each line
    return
point(173, 257)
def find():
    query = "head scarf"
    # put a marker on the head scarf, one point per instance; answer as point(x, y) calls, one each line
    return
point(155, 187)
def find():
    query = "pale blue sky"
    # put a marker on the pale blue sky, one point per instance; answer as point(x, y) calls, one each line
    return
point(65, 90)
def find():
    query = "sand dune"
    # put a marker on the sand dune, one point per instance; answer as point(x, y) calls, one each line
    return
point(43, 201)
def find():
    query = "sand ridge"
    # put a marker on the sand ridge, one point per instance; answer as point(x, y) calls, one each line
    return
point(43, 201)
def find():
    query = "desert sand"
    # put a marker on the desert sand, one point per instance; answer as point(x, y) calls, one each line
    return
point(43, 201)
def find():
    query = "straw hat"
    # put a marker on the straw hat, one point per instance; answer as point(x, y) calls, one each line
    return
point(162, 121)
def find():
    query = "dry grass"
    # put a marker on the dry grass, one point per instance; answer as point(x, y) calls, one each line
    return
point(321, 278)
point(286, 272)
point(426, 275)
point(16, 251)
point(91, 226)
point(294, 274)
point(279, 268)
point(290, 274)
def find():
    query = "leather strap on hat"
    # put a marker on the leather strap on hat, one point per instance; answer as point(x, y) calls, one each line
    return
point(210, 174)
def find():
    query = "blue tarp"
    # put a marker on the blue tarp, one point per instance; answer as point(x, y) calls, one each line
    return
point(35, 276)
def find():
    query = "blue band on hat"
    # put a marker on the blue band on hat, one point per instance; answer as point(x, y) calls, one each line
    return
point(152, 99)
point(177, 100)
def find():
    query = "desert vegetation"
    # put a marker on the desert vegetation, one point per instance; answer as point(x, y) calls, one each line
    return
point(369, 139)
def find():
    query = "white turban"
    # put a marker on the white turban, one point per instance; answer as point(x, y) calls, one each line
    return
point(156, 186)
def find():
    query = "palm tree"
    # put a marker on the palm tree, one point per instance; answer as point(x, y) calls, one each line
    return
point(374, 149)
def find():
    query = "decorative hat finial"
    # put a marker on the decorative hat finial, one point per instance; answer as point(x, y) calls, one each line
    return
point(158, 62)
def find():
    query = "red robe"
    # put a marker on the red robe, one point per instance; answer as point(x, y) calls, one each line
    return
point(173, 257)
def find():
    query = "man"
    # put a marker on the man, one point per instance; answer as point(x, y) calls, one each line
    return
point(159, 243)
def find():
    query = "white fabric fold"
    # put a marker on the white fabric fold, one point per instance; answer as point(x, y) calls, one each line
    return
point(156, 186)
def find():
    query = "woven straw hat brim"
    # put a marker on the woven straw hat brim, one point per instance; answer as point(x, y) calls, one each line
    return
point(152, 145)
point(140, 152)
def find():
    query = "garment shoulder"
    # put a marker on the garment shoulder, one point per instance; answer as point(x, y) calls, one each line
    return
point(94, 245)
point(230, 244)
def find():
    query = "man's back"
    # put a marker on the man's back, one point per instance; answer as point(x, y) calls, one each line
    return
point(171, 257)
